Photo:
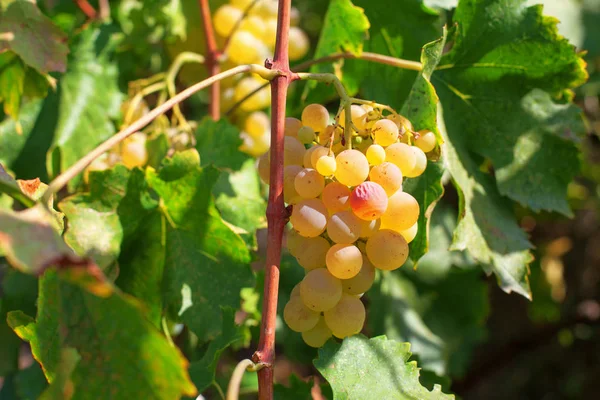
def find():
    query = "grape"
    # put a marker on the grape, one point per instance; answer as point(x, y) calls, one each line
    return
point(257, 124)
point(318, 152)
point(361, 282)
point(388, 176)
point(375, 154)
point(410, 233)
point(264, 168)
point(270, 32)
point(245, 48)
point(402, 156)
point(313, 252)
point(133, 150)
point(298, 43)
point(255, 146)
point(320, 290)
point(368, 228)
point(317, 336)
point(241, 4)
point(325, 136)
point(347, 317)
point(368, 201)
point(426, 141)
point(307, 156)
point(309, 183)
point(258, 100)
point(402, 212)
point(309, 217)
point(352, 167)
point(294, 16)
point(265, 9)
point(385, 132)
point(401, 122)
point(343, 227)
point(290, 195)
point(295, 242)
point(292, 126)
point(299, 317)
point(336, 197)
point(421, 163)
point(254, 25)
point(295, 291)
point(293, 151)
point(387, 249)
point(316, 116)
point(343, 260)
point(326, 165)
point(306, 135)
point(225, 19)
point(358, 115)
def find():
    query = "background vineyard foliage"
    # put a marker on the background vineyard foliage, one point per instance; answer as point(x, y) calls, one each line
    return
point(182, 241)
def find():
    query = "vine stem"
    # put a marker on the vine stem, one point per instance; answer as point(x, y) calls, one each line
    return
point(233, 388)
point(374, 57)
point(86, 8)
point(276, 212)
point(60, 181)
point(212, 59)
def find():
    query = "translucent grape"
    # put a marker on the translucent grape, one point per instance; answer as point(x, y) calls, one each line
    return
point(326, 165)
point(343, 260)
point(336, 197)
point(347, 317)
point(368, 201)
point(362, 281)
point(293, 151)
point(421, 163)
point(254, 25)
point(410, 233)
point(317, 336)
point(401, 122)
point(309, 183)
point(299, 317)
point(402, 156)
point(318, 152)
point(264, 167)
point(325, 136)
point(385, 132)
point(375, 154)
point(258, 100)
point(306, 161)
point(255, 146)
point(295, 291)
point(290, 195)
point(299, 44)
point(270, 32)
point(306, 135)
point(133, 150)
point(295, 242)
point(316, 116)
point(292, 126)
point(357, 114)
point(225, 18)
point(241, 4)
point(313, 252)
point(388, 176)
point(344, 227)
point(309, 217)
point(402, 212)
point(245, 48)
point(387, 249)
point(256, 124)
point(352, 167)
point(320, 290)
point(426, 141)
point(368, 228)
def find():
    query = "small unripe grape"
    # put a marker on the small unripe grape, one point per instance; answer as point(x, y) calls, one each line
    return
point(402, 156)
point(352, 167)
point(299, 44)
point(426, 141)
point(388, 176)
point(336, 197)
point(264, 169)
point(402, 212)
point(401, 122)
point(313, 252)
point(290, 195)
point(375, 154)
point(343, 260)
point(387, 249)
point(309, 183)
point(320, 290)
point(368, 201)
point(306, 135)
point(347, 317)
point(292, 126)
point(225, 18)
point(316, 116)
point(309, 217)
point(421, 163)
point(299, 317)
point(317, 336)
point(368, 228)
point(410, 233)
point(362, 281)
point(293, 151)
point(317, 153)
point(326, 165)
point(385, 132)
point(256, 124)
point(344, 227)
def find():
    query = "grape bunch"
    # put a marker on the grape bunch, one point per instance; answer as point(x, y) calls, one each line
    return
point(350, 215)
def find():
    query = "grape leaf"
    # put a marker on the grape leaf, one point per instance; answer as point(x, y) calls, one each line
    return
point(297, 390)
point(31, 382)
point(361, 368)
point(89, 98)
point(493, 85)
point(11, 141)
point(33, 36)
point(218, 143)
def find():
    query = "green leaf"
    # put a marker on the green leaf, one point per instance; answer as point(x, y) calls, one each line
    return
point(31, 382)
point(11, 141)
point(62, 385)
point(297, 390)
point(89, 99)
point(497, 86)
point(361, 368)
point(218, 143)
point(33, 36)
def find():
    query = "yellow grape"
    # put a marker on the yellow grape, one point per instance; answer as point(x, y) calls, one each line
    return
point(368, 201)
point(375, 154)
point(368, 228)
point(225, 18)
point(254, 25)
point(245, 48)
point(320, 290)
point(401, 122)
point(256, 124)
point(326, 165)
point(270, 32)
point(344, 227)
point(309, 183)
point(402, 156)
point(421, 163)
point(306, 135)
point(306, 160)
point(292, 126)
point(258, 100)
point(313, 252)
point(325, 136)
point(241, 4)
point(347, 317)
point(299, 43)
point(299, 317)
point(388, 176)
point(317, 336)
point(402, 212)
point(343, 260)
point(264, 168)
point(387, 249)
point(357, 115)
point(336, 197)
point(290, 195)
point(385, 132)
point(318, 152)
point(410, 233)
point(293, 151)
point(265, 9)
point(133, 150)
point(352, 167)
point(295, 291)
point(295, 242)
point(255, 146)
point(309, 217)
point(316, 116)
point(426, 141)
point(362, 281)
